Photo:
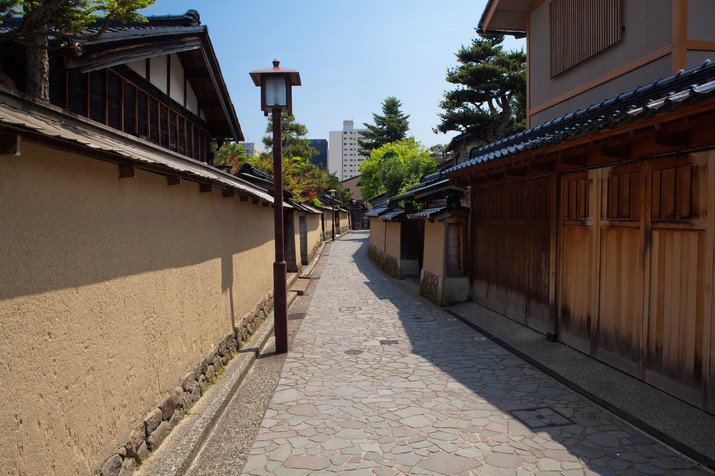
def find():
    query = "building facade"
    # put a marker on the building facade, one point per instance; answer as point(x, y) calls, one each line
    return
point(344, 156)
point(252, 149)
point(579, 56)
point(592, 227)
point(321, 145)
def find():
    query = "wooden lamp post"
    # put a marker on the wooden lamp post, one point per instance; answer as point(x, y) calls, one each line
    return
point(275, 84)
point(332, 195)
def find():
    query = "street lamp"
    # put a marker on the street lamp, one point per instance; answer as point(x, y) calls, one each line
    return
point(275, 84)
point(332, 195)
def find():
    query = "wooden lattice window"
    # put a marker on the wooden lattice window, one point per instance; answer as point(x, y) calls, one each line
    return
point(580, 29)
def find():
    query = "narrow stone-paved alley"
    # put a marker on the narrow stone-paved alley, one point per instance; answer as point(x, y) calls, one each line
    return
point(378, 381)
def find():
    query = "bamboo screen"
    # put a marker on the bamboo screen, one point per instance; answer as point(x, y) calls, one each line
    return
point(580, 29)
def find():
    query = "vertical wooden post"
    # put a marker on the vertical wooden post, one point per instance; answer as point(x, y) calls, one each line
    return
point(708, 390)
point(647, 238)
point(280, 301)
point(555, 214)
point(597, 207)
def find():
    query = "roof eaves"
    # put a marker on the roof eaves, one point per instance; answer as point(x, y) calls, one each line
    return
point(23, 113)
point(644, 101)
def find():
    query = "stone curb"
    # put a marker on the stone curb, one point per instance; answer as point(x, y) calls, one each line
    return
point(182, 445)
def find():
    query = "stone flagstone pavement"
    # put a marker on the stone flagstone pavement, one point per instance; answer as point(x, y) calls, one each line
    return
point(380, 382)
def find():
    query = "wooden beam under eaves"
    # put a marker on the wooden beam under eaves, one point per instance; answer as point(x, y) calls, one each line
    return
point(265, 203)
point(10, 143)
point(244, 198)
point(517, 171)
point(254, 200)
point(205, 187)
point(127, 171)
point(544, 166)
point(622, 151)
point(673, 139)
point(577, 159)
point(496, 176)
point(173, 180)
point(229, 193)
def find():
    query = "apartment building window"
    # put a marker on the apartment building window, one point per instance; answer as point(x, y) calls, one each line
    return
point(580, 29)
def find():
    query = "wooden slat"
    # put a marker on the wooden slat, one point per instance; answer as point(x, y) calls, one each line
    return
point(579, 29)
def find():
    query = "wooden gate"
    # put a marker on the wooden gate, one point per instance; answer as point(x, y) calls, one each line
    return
point(511, 250)
point(636, 270)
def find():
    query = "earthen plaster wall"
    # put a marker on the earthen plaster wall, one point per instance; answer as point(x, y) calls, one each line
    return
point(392, 243)
point(434, 246)
point(328, 217)
point(377, 233)
point(112, 290)
point(313, 224)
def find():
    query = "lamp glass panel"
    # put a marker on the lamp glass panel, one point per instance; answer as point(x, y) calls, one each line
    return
point(276, 94)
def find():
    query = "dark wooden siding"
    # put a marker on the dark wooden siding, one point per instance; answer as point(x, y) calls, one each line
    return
point(510, 250)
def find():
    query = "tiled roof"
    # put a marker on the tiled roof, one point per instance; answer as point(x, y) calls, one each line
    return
point(393, 214)
point(155, 25)
point(420, 187)
point(682, 89)
point(427, 212)
point(377, 211)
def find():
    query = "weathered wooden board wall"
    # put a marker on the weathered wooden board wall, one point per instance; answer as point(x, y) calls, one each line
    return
point(636, 270)
point(634, 261)
point(510, 250)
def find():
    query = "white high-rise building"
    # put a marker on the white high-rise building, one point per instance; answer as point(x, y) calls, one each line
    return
point(252, 149)
point(344, 155)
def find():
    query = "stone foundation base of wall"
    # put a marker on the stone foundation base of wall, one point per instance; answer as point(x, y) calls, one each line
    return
point(444, 291)
point(408, 267)
point(155, 426)
point(376, 255)
point(391, 266)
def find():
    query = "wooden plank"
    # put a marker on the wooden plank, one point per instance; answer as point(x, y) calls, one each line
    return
point(205, 188)
point(683, 190)
point(173, 180)
point(668, 194)
point(645, 199)
point(126, 171)
point(10, 143)
point(708, 377)
point(556, 224)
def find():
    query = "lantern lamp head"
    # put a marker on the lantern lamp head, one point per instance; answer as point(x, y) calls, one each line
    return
point(276, 84)
point(332, 192)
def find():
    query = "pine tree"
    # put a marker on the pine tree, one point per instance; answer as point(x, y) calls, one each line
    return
point(390, 127)
point(293, 139)
point(63, 19)
point(490, 100)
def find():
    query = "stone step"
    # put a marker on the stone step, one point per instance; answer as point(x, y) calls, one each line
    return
point(300, 285)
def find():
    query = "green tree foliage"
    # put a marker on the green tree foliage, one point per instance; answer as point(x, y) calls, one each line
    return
point(490, 99)
point(394, 167)
point(438, 153)
point(230, 153)
point(293, 138)
point(305, 180)
point(63, 19)
point(390, 127)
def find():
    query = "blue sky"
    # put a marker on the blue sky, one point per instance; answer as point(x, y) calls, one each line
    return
point(350, 55)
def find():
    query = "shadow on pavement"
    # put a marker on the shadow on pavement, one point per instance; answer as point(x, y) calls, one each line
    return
point(537, 405)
